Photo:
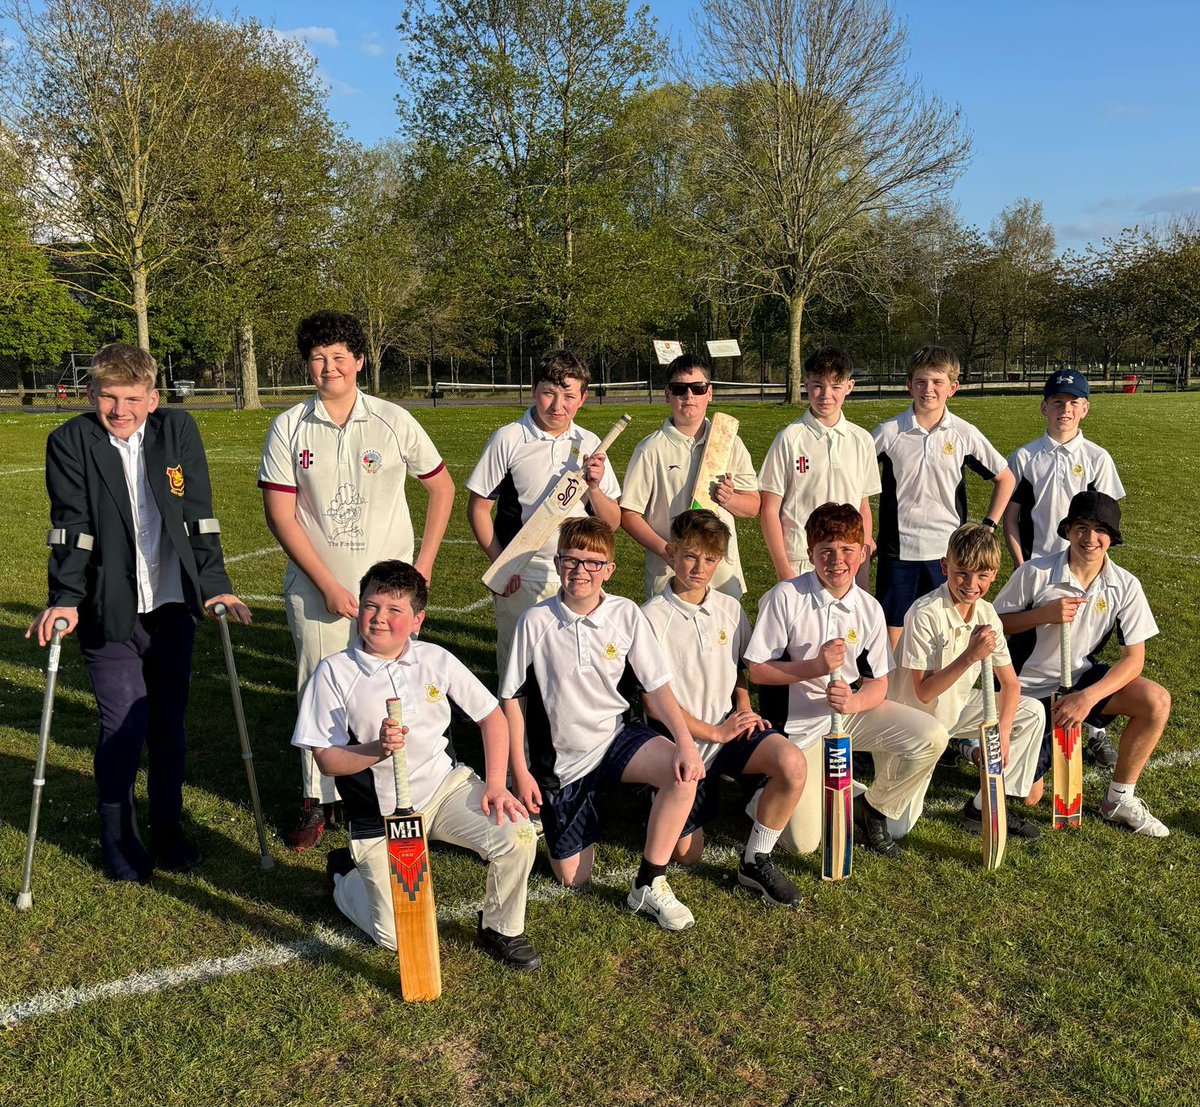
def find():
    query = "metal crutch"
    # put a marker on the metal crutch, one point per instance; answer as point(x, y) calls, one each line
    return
point(25, 896)
point(265, 860)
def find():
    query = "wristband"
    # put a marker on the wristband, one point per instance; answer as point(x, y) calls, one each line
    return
point(988, 522)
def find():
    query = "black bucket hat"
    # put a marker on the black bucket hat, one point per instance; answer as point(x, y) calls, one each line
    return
point(1094, 505)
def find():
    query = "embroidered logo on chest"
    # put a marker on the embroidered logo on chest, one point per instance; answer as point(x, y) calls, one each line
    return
point(433, 694)
point(722, 637)
point(305, 458)
point(1077, 469)
point(852, 637)
point(801, 464)
point(175, 479)
point(611, 653)
point(1102, 604)
point(372, 460)
point(948, 448)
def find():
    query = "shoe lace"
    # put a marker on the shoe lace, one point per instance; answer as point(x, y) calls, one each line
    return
point(665, 895)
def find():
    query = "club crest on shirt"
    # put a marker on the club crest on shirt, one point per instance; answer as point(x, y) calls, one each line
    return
point(948, 448)
point(852, 637)
point(722, 637)
point(611, 652)
point(372, 460)
point(1077, 469)
point(1102, 604)
point(433, 693)
point(175, 479)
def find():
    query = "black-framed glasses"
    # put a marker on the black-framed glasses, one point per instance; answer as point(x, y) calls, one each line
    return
point(682, 388)
point(570, 564)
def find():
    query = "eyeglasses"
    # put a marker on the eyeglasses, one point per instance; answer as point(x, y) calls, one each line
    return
point(682, 388)
point(570, 564)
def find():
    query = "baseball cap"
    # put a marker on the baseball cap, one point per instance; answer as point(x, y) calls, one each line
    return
point(1094, 505)
point(1069, 381)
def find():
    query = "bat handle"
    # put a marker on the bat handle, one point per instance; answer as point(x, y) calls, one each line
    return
point(395, 710)
point(836, 719)
point(988, 688)
point(1064, 655)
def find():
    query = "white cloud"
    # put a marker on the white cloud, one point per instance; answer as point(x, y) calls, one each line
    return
point(337, 86)
point(1172, 203)
point(311, 36)
point(370, 45)
point(1083, 231)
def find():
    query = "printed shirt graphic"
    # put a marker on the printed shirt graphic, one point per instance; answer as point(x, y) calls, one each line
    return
point(349, 481)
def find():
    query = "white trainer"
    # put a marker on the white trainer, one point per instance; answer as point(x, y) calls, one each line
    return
point(1134, 814)
point(658, 902)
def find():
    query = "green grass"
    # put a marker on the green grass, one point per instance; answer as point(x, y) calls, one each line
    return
point(1073, 973)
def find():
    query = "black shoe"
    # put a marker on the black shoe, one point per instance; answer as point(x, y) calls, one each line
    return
point(126, 859)
point(1015, 825)
point(332, 820)
point(873, 824)
point(174, 852)
point(337, 863)
point(763, 876)
point(1098, 748)
point(514, 952)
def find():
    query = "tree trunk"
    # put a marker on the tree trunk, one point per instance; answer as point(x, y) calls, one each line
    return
point(795, 381)
point(245, 339)
point(141, 310)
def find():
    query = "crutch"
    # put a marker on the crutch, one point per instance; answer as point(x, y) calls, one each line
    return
point(220, 610)
point(25, 896)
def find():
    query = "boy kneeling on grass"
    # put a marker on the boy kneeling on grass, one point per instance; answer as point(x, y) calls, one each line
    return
point(946, 636)
point(343, 720)
point(704, 633)
point(564, 688)
point(1082, 586)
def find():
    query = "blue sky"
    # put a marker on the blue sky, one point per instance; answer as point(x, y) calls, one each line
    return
point(1087, 105)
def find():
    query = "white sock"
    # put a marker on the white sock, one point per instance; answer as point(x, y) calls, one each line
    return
point(978, 801)
point(762, 840)
point(1118, 792)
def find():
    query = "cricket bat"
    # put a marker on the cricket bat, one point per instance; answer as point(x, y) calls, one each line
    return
point(546, 518)
point(837, 812)
point(1068, 750)
point(412, 886)
point(715, 462)
point(991, 774)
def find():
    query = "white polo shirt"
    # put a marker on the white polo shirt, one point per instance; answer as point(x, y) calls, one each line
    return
point(519, 465)
point(1115, 602)
point(703, 644)
point(569, 669)
point(1048, 474)
point(795, 619)
point(345, 702)
point(349, 481)
point(658, 486)
point(934, 636)
point(924, 498)
point(810, 464)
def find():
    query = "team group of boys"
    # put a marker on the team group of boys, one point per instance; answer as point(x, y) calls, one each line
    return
point(131, 512)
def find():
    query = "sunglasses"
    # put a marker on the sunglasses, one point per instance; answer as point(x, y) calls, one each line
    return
point(682, 388)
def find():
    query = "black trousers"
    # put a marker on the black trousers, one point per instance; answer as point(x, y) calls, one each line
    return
point(141, 687)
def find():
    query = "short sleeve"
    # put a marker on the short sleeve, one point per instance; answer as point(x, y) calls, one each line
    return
point(776, 466)
point(770, 637)
point(1001, 658)
point(879, 652)
point(741, 639)
point(745, 479)
point(1017, 593)
point(491, 468)
point(635, 496)
point(1135, 621)
point(987, 460)
point(1107, 479)
point(920, 642)
point(520, 659)
point(321, 721)
point(646, 656)
point(465, 689)
point(421, 456)
point(872, 485)
point(277, 468)
point(882, 438)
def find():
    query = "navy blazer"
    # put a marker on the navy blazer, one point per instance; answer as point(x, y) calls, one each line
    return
point(92, 554)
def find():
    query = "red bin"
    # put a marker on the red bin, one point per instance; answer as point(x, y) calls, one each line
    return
point(1131, 383)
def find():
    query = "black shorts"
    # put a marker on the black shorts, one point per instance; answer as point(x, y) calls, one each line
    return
point(570, 816)
point(899, 583)
point(730, 761)
point(1098, 717)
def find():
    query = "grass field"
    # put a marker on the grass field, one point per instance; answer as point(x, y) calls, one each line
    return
point(1070, 975)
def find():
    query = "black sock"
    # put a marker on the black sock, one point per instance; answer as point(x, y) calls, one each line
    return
point(648, 873)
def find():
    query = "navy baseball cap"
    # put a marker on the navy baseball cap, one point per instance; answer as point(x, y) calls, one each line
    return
point(1097, 506)
point(1070, 381)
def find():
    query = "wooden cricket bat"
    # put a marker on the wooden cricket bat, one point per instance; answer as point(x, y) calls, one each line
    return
point(715, 462)
point(991, 774)
point(1068, 750)
point(837, 813)
point(412, 887)
point(546, 518)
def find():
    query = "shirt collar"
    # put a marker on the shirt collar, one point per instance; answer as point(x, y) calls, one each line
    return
point(567, 617)
point(133, 443)
point(532, 430)
point(821, 598)
point(820, 429)
point(369, 664)
point(1062, 572)
point(358, 412)
point(946, 599)
point(908, 421)
point(675, 435)
point(1072, 447)
point(688, 610)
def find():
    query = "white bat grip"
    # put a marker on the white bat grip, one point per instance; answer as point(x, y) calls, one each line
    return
point(395, 710)
point(612, 435)
point(1064, 655)
point(837, 721)
point(988, 687)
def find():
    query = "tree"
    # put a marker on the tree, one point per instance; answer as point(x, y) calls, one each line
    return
point(1102, 291)
point(1170, 262)
point(1024, 244)
point(811, 132)
point(104, 98)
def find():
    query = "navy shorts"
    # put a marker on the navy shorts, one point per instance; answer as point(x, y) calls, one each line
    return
point(730, 761)
point(570, 815)
point(1097, 717)
point(899, 583)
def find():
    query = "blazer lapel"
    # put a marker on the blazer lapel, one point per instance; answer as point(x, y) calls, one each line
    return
point(154, 454)
point(108, 464)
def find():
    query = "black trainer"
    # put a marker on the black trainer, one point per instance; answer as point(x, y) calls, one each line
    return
point(762, 875)
point(1017, 826)
point(1098, 748)
point(515, 952)
point(338, 862)
point(873, 824)
point(174, 852)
